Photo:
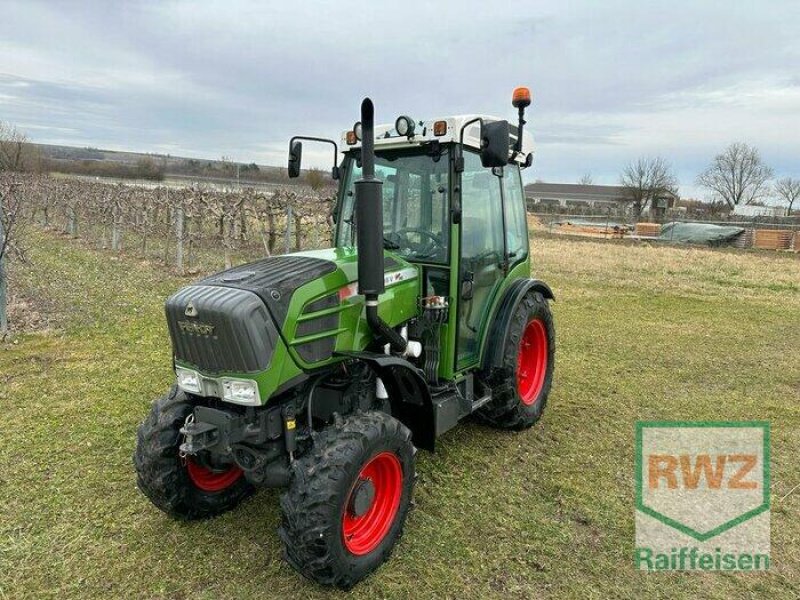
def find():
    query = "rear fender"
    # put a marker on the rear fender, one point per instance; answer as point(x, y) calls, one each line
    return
point(501, 326)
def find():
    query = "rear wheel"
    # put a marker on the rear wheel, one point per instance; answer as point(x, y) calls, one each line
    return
point(521, 386)
point(183, 487)
point(347, 503)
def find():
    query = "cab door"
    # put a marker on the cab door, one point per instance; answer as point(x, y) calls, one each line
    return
point(482, 255)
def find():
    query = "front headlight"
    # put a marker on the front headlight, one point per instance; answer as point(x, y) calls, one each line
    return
point(240, 391)
point(188, 380)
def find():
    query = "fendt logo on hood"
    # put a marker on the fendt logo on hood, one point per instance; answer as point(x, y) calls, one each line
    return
point(194, 327)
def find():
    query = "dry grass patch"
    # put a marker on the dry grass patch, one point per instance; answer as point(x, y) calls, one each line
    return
point(643, 332)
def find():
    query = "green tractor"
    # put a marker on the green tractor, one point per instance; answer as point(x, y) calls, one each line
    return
point(320, 372)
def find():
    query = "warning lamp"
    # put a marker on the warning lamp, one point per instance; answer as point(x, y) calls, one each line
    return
point(439, 128)
point(521, 97)
point(351, 138)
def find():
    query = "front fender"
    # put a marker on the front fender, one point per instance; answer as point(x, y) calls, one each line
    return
point(408, 393)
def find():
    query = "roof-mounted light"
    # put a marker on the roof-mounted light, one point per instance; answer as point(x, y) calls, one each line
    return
point(351, 137)
point(357, 130)
point(404, 126)
point(521, 97)
point(439, 128)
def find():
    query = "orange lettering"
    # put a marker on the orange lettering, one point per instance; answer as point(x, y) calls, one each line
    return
point(662, 465)
point(702, 464)
point(736, 482)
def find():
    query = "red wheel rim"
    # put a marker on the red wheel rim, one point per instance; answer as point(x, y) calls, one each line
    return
point(211, 481)
point(532, 362)
point(363, 533)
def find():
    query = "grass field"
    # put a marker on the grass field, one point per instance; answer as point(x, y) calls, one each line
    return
point(643, 333)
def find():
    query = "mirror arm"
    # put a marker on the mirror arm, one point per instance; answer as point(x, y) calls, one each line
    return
point(335, 170)
point(459, 164)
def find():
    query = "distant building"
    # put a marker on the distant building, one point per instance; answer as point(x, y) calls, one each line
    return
point(551, 196)
point(752, 210)
point(600, 198)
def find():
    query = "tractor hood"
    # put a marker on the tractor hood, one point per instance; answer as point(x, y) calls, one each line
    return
point(304, 305)
point(273, 279)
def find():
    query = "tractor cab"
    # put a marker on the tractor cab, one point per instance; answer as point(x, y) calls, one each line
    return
point(461, 223)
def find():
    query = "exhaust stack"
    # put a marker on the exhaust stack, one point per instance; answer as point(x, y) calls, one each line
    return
point(369, 207)
point(369, 231)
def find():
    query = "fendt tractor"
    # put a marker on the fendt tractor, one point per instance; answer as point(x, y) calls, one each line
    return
point(321, 372)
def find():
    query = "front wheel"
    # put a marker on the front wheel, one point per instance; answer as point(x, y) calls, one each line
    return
point(347, 503)
point(183, 487)
point(521, 386)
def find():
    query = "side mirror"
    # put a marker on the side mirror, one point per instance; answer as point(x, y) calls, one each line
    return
point(495, 139)
point(295, 158)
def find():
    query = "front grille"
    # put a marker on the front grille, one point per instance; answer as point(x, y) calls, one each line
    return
point(321, 349)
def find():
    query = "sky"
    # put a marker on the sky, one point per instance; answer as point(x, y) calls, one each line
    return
point(612, 81)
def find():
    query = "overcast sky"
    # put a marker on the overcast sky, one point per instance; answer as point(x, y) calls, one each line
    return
point(611, 80)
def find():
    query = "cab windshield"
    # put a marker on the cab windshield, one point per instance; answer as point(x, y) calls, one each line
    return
point(415, 204)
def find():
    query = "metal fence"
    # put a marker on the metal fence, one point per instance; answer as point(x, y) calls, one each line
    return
point(760, 232)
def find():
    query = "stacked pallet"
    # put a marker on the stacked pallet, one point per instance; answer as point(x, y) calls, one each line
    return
point(744, 239)
point(648, 229)
point(591, 230)
point(772, 239)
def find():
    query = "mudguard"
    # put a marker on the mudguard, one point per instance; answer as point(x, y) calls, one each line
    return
point(499, 330)
point(408, 392)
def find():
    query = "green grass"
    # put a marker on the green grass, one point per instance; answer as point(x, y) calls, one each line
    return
point(643, 333)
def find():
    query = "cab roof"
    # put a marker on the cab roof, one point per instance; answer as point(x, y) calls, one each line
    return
point(387, 137)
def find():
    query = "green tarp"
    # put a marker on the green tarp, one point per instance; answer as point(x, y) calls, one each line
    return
point(698, 233)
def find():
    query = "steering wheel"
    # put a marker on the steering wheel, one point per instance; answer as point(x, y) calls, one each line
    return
point(421, 248)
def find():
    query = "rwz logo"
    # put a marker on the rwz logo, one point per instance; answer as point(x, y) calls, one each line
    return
point(677, 471)
point(706, 482)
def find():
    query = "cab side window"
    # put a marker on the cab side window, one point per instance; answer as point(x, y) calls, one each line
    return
point(515, 214)
point(481, 224)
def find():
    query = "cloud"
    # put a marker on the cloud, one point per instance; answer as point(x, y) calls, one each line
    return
point(611, 81)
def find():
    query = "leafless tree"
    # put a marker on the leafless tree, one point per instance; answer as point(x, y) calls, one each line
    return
point(16, 152)
point(315, 178)
point(586, 179)
point(737, 176)
point(788, 190)
point(11, 222)
point(646, 180)
point(177, 224)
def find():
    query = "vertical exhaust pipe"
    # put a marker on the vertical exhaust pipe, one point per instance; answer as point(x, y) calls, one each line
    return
point(369, 207)
point(369, 231)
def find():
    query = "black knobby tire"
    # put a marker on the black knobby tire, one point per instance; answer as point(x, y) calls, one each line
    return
point(315, 506)
point(507, 408)
point(163, 475)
